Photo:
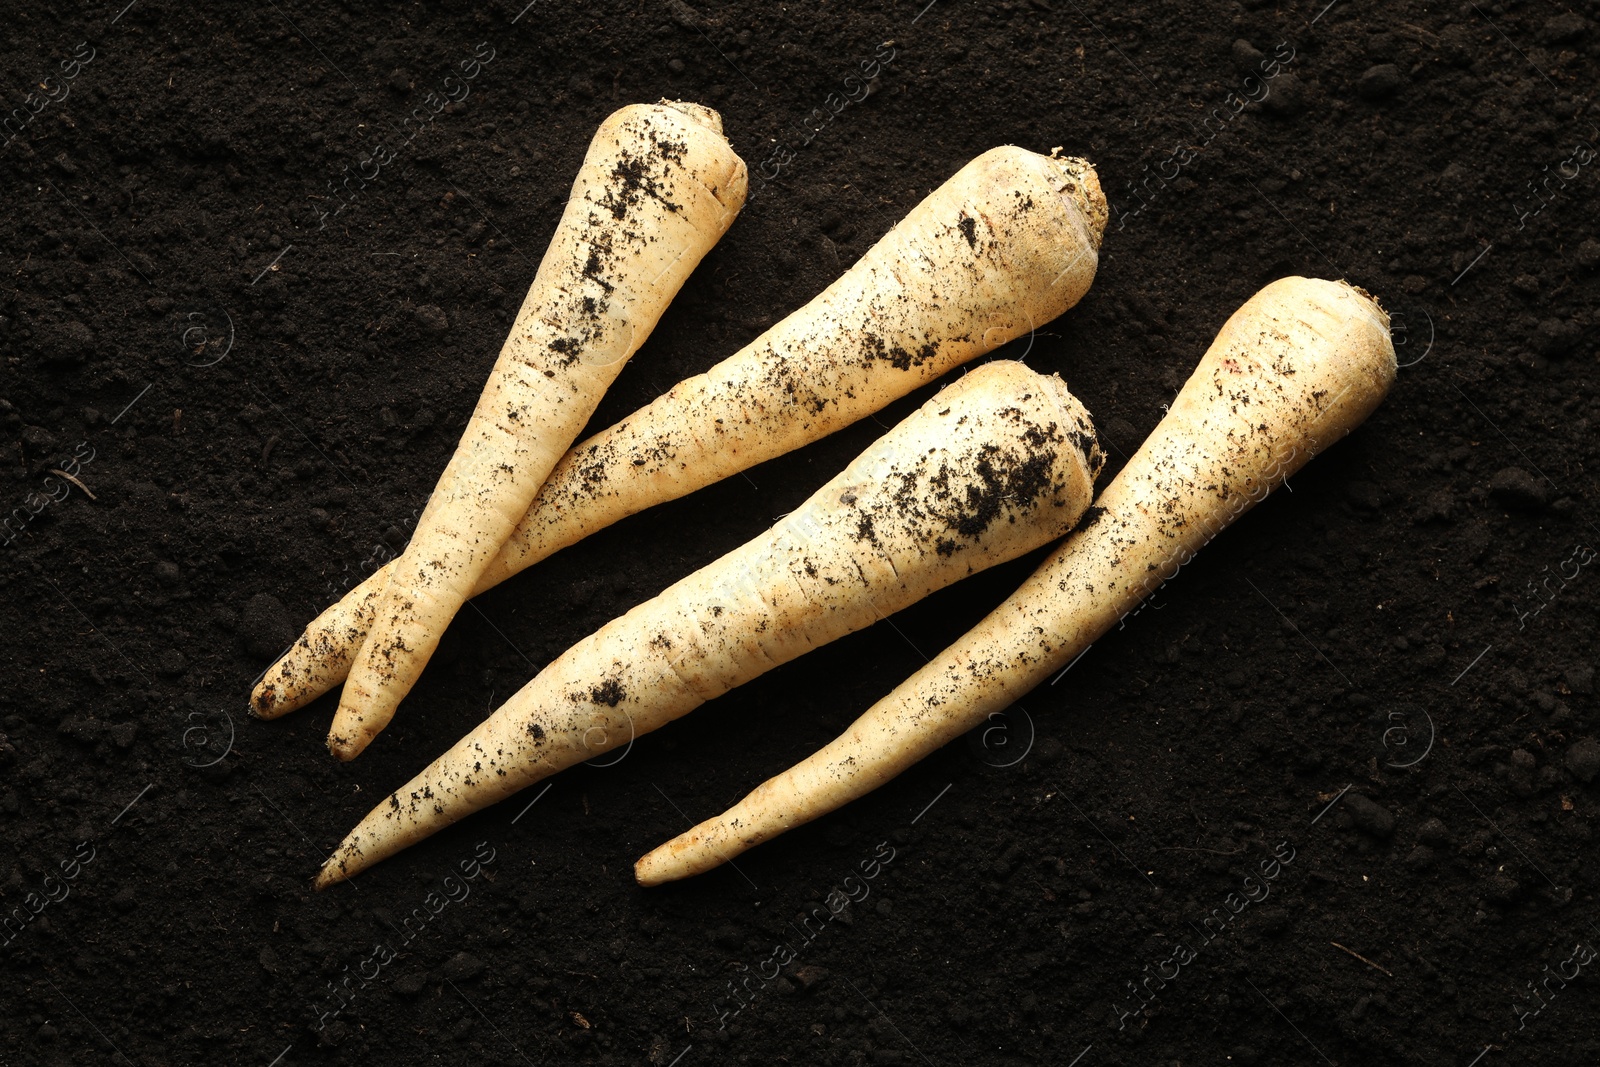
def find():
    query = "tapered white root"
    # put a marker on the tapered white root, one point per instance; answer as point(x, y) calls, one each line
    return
point(659, 186)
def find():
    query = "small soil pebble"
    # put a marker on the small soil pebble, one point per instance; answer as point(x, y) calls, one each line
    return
point(1583, 759)
point(265, 626)
point(432, 318)
point(1565, 27)
point(1379, 82)
point(1580, 679)
point(1246, 57)
point(1370, 816)
point(1285, 96)
point(1516, 489)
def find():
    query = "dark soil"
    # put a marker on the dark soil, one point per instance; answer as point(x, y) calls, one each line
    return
point(257, 354)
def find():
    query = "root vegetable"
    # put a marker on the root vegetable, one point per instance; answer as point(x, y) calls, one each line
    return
point(659, 186)
point(1300, 365)
point(990, 468)
point(1008, 243)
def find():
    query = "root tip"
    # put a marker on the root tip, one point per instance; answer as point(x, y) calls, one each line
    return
point(346, 749)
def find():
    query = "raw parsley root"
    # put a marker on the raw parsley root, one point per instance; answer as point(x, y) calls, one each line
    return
point(659, 186)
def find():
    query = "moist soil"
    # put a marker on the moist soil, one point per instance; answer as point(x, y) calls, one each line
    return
point(1330, 798)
